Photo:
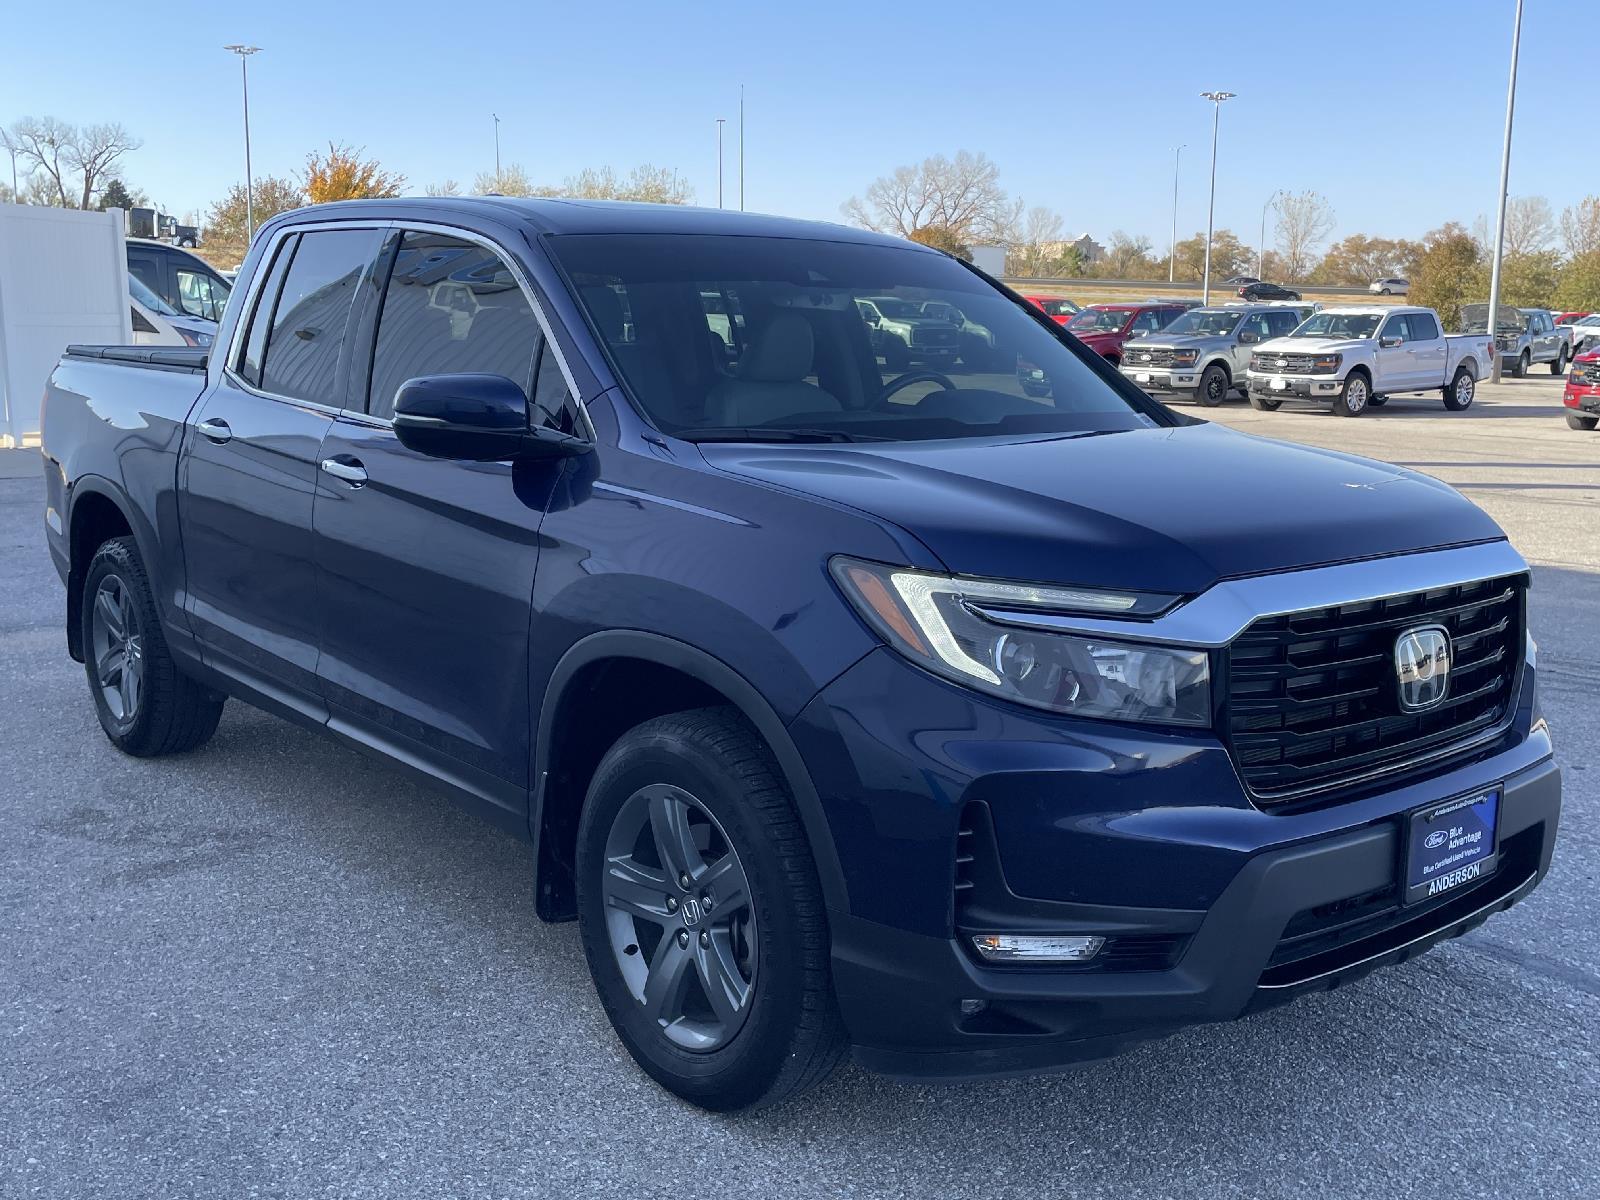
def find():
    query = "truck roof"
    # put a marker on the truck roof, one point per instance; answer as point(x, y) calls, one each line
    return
point(1382, 309)
point(564, 216)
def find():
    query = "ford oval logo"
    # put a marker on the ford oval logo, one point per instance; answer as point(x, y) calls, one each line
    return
point(1282, 362)
point(1436, 839)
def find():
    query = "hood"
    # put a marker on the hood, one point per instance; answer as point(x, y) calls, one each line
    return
point(1181, 341)
point(1155, 509)
point(1311, 345)
point(1098, 336)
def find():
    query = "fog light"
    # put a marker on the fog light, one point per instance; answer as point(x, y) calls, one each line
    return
point(971, 1008)
point(1010, 947)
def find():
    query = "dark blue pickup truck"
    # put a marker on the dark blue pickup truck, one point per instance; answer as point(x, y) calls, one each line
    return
point(975, 731)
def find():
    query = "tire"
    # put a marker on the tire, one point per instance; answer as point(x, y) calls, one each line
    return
point(1356, 396)
point(1520, 371)
point(707, 773)
point(1459, 394)
point(1263, 403)
point(146, 705)
point(1559, 367)
point(1214, 386)
point(1575, 421)
point(1384, 292)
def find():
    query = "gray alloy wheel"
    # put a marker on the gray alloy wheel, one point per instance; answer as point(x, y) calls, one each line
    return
point(1352, 402)
point(1459, 395)
point(679, 917)
point(117, 649)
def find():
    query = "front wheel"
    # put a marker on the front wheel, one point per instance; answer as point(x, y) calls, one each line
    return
point(1355, 397)
point(1263, 403)
point(1577, 421)
point(1521, 369)
point(702, 917)
point(1214, 385)
point(146, 705)
point(1458, 396)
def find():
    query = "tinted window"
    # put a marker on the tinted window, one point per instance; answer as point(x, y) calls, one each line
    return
point(200, 295)
point(553, 404)
point(803, 359)
point(1282, 323)
point(1259, 324)
point(450, 307)
point(249, 364)
point(307, 338)
point(147, 269)
point(1395, 327)
point(1423, 327)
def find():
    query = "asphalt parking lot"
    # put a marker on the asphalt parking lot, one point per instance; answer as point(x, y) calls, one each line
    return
point(273, 968)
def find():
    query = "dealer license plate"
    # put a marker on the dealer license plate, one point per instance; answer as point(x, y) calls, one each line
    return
point(1452, 844)
point(1142, 377)
point(1279, 385)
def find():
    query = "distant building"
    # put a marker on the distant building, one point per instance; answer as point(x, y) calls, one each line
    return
point(1090, 250)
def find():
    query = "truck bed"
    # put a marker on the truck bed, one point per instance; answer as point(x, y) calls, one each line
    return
point(179, 358)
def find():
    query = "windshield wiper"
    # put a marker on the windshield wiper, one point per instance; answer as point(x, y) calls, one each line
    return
point(757, 433)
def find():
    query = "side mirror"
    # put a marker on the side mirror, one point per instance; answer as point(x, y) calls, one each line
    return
point(1246, 338)
point(478, 418)
point(1389, 343)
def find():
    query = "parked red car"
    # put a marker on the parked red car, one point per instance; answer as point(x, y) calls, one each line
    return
point(1058, 308)
point(1104, 328)
point(1582, 395)
point(1571, 318)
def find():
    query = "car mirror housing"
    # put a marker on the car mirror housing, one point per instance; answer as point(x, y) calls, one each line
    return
point(1247, 337)
point(476, 418)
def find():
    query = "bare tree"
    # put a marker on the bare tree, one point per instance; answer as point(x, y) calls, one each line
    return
point(72, 161)
point(448, 188)
point(1034, 244)
point(961, 195)
point(647, 184)
point(510, 180)
point(1304, 220)
point(1580, 227)
point(1128, 257)
point(1530, 227)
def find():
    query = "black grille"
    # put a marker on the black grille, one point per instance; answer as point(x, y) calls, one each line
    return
point(927, 336)
point(1313, 700)
point(1136, 356)
point(1291, 364)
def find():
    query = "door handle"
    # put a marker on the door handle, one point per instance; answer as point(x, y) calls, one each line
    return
point(352, 472)
point(215, 429)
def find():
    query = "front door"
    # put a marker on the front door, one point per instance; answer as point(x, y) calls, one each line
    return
point(425, 566)
point(248, 474)
point(1394, 363)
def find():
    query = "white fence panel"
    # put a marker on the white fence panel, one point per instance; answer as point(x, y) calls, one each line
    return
point(63, 279)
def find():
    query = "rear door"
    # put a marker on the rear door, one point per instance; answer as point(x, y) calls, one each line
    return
point(248, 472)
point(425, 565)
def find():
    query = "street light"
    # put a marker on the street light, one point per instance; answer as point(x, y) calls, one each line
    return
point(720, 122)
point(1172, 254)
point(244, 52)
point(496, 117)
point(741, 147)
point(1261, 250)
point(1505, 179)
point(1216, 99)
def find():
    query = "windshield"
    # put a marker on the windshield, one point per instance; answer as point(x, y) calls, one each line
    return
point(804, 361)
point(1100, 320)
point(1339, 325)
point(141, 292)
point(1058, 308)
point(1212, 321)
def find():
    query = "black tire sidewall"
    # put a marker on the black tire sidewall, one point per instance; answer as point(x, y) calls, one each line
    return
point(119, 558)
point(738, 1074)
point(1202, 395)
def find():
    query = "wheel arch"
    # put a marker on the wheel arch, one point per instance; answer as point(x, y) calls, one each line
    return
point(585, 681)
point(97, 513)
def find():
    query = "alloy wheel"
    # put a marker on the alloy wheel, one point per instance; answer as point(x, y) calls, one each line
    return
point(679, 917)
point(118, 648)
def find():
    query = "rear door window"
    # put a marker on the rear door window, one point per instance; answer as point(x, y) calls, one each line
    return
point(451, 306)
point(305, 346)
point(200, 295)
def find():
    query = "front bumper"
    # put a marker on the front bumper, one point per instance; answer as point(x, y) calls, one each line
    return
point(1304, 387)
point(1212, 908)
point(1583, 400)
point(1173, 380)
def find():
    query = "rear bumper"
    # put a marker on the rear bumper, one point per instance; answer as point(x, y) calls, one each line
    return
point(1259, 944)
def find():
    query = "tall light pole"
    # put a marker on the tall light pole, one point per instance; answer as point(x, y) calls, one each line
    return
point(741, 147)
point(1172, 253)
point(720, 122)
point(1216, 99)
point(1505, 180)
point(244, 52)
point(1261, 246)
point(496, 117)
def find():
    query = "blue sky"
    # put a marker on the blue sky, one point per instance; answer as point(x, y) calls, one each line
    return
point(1394, 112)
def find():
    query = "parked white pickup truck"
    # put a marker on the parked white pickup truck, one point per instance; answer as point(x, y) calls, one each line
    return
point(1356, 357)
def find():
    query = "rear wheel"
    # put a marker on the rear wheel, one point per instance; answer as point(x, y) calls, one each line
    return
point(1377, 401)
point(702, 917)
point(1214, 386)
point(1575, 421)
point(146, 705)
point(1355, 397)
point(1559, 367)
point(1458, 395)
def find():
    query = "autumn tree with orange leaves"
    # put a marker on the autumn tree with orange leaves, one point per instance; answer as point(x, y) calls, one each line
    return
point(342, 174)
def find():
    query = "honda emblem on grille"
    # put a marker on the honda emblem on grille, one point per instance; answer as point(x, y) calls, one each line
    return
point(1422, 665)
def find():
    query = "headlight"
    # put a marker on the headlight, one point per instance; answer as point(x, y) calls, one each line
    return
point(1328, 364)
point(940, 623)
point(1184, 358)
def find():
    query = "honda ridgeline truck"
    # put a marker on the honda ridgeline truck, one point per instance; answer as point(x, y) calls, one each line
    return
point(1355, 358)
point(844, 707)
point(1205, 354)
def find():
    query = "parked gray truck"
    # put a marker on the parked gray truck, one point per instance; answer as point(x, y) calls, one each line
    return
point(1525, 337)
point(1205, 353)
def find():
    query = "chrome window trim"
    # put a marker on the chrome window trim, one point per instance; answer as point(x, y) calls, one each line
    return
point(1221, 613)
point(240, 329)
